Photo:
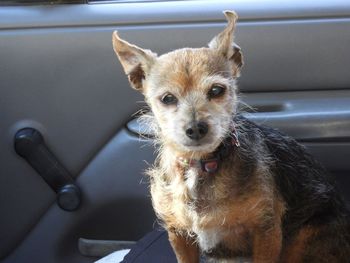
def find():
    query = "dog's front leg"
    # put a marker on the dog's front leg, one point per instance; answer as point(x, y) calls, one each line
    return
point(185, 248)
point(267, 245)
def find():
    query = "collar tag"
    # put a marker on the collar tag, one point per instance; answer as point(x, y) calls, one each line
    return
point(210, 165)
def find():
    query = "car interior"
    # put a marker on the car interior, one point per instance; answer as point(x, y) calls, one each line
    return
point(72, 153)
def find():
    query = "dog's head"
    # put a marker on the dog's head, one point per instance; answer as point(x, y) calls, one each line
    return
point(191, 91)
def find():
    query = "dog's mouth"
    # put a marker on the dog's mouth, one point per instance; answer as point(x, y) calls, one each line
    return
point(204, 145)
point(196, 144)
point(185, 143)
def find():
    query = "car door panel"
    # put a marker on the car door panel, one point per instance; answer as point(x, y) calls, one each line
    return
point(59, 75)
point(116, 205)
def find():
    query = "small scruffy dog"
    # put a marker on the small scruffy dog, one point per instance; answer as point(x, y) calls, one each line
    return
point(224, 186)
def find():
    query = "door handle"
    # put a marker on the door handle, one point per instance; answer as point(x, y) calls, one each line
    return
point(30, 145)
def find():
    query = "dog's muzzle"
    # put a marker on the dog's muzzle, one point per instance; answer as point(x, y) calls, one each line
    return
point(197, 130)
point(212, 165)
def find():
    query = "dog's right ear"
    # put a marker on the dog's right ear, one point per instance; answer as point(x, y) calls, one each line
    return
point(136, 61)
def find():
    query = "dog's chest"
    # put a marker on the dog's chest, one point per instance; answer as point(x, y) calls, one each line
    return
point(192, 203)
point(200, 186)
point(192, 182)
point(209, 238)
point(200, 193)
point(208, 220)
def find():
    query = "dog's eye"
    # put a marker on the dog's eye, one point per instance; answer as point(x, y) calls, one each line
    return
point(168, 99)
point(216, 91)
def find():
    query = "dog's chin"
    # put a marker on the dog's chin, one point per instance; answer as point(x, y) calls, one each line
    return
point(199, 147)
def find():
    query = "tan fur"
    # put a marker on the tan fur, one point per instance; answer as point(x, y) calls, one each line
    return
point(295, 251)
point(243, 221)
point(186, 248)
point(260, 210)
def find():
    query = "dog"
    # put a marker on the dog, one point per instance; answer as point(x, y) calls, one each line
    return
point(223, 186)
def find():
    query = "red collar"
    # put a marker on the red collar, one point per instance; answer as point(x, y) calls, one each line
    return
point(211, 165)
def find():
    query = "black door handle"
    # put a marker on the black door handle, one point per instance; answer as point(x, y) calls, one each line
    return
point(30, 144)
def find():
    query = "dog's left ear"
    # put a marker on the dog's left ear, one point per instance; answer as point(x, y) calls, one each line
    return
point(136, 61)
point(224, 44)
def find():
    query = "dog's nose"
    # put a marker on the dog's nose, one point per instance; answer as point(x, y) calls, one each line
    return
point(197, 130)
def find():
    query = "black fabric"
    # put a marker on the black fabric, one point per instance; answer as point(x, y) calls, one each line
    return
point(152, 248)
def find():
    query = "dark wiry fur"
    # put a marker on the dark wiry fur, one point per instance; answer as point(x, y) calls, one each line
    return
point(309, 193)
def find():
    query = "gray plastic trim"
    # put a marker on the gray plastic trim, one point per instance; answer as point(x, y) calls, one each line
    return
point(167, 12)
point(322, 116)
point(309, 53)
